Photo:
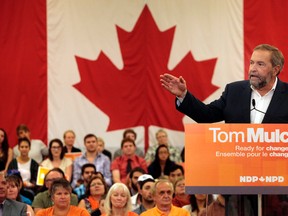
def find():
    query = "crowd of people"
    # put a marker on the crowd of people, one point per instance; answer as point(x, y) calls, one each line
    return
point(93, 183)
point(133, 182)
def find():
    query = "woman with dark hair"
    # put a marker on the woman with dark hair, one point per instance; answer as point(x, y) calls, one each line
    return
point(13, 191)
point(26, 196)
point(198, 203)
point(13, 187)
point(27, 166)
point(95, 189)
point(6, 153)
point(56, 158)
point(162, 163)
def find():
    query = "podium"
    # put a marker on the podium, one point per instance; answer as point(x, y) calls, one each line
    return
point(236, 159)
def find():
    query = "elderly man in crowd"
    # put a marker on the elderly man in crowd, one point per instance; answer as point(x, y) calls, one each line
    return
point(162, 193)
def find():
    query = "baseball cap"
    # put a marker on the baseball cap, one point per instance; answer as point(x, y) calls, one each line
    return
point(145, 178)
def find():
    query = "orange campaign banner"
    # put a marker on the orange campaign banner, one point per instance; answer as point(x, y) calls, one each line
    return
point(236, 158)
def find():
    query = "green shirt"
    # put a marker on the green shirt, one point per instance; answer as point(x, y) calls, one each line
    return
point(43, 200)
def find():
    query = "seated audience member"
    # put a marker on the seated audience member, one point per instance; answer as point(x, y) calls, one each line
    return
point(101, 148)
point(101, 162)
point(96, 188)
point(162, 163)
point(162, 138)
point(6, 153)
point(162, 193)
point(27, 166)
point(38, 149)
point(133, 178)
point(69, 140)
point(61, 192)
point(87, 172)
point(175, 172)
point(180, 198)
point(56, 158)
point(136, 198)
point(26, 193)
point(122, 165)
point(43, 199)
point(10, 207)
point(100, 210)
point(216, 208)
point(13, 191)
point(129, 133)
point(26, 196)
point(198, 203)
point(146, 183)
point(117, 202)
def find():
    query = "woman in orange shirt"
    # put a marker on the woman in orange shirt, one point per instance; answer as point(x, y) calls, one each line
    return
point(96, 188)
point(61, 194)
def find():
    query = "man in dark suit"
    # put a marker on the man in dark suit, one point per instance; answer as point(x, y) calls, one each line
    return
point(261, 99)
point(9, 207)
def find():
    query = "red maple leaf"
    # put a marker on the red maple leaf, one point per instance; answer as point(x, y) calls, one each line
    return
point(133, 96)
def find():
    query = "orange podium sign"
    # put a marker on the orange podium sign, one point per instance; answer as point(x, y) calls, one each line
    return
point(236, 158)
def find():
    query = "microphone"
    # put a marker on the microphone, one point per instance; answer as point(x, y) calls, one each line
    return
point(254, 107)
point(253, 103)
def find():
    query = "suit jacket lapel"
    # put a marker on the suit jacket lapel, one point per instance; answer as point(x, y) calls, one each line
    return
point(7, 208)
point(246, 103)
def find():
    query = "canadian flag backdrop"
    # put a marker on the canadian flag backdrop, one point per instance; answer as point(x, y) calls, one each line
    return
point(93, 66)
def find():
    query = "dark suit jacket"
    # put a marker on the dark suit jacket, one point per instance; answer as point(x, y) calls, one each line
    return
point(12, 207)
point(234, 105)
